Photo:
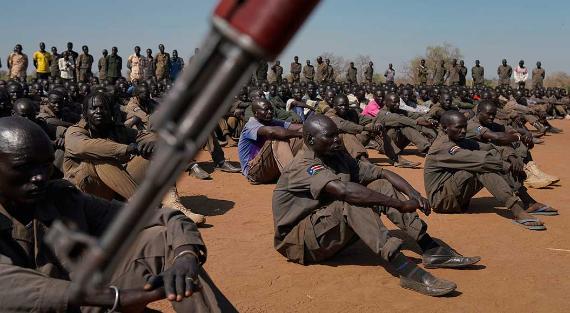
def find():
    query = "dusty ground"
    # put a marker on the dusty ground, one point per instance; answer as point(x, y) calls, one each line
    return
point(520, 272)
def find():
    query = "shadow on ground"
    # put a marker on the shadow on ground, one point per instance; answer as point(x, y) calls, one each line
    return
point(207, 206)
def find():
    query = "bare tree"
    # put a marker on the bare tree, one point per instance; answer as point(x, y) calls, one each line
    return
point(557, 79)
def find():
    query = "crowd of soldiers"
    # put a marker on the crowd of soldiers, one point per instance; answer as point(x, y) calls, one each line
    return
point(74, 146)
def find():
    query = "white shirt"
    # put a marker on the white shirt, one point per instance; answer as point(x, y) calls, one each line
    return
point(66, 68)
point(521, 74)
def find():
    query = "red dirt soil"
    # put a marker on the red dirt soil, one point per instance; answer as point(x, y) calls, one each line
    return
point(520, 271)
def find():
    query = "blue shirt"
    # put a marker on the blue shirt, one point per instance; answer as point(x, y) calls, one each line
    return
point(249, 144)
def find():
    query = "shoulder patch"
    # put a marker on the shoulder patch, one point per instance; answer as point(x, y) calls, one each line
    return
point(454, 149)
point(315, 169)
point(479, 129)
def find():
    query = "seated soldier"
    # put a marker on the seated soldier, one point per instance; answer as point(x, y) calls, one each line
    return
point(326, 200)
point(109, 160)
point(54, 111)
point(400, 130)
point(483, 128)
point(280, 113)
point(24, 107)
point(164, 262)
point(300, 105)
point(267, 145)
point(139, 112)
point(356, 131)
point(457, 168)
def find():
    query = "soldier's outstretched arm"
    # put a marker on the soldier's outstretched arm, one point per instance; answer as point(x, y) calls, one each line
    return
point(357, 194)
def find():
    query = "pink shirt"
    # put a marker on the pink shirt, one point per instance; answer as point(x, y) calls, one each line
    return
point(371, 109)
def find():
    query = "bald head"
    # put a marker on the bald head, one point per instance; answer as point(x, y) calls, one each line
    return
point(320, 134)
point(26, 157)
point(452, 117)
point(25, 107)
point(18, 134)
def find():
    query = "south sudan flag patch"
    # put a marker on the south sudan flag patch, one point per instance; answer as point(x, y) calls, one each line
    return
point(454, 150)
point(315, 169)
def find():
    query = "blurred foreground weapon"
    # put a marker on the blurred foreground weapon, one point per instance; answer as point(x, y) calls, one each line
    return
point(243, 32)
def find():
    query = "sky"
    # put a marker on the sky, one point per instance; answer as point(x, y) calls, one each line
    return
point(387, 31)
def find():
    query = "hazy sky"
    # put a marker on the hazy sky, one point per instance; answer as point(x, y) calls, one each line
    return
point(388, 31)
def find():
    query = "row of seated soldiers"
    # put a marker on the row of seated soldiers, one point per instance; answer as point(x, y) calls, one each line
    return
point(105, 152)
point(367, 120)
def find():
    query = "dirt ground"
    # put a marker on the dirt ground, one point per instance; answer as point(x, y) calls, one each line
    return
point(520, 271)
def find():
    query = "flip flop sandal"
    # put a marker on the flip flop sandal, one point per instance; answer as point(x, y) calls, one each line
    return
point(544, 211)
point(529, 220)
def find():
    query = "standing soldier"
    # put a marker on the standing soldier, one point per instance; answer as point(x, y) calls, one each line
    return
point(453, 74)
point(277, 71)
point(538, 76)
point(114, 65)
point(439, 74)
point(321, 70)
point(261, 72)
point(54, 66)
point(504, 71)
point(390, 74)
point(42, 61)
point(295, 70)
point(18, 63)
point(351, 74)
point(102, 66)
point(369, 72)
point(462, 73)
point(149, 67)
point(309, 71)
point(162, 63)
point(478, 74)
point(176, 65)
point(422, 73)
point(330, 71)
point(135, 63)
point(84, 64)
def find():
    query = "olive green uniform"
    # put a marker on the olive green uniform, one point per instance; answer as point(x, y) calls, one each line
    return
point(352, 132)
point(455, 172)
point(102, 65)
point(351, 75)
point(114, 67)
point(35, 280)
point(162, 63)
point(102, 166)
point(310, 227)
point(453, 75)
point(369, 73)
point(478, 75)
point(322, 70)
point(439, 75)
point(422, 75)
point(277, 71)
point(295, 72)
point(261, 72)
point(330, 74)
point(538, 78)
point(399, 131)
point(83, 65)
point(309, 72)
point(505, 73)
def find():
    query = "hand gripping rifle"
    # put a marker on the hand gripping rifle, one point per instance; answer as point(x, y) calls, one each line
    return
point(243, 32)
